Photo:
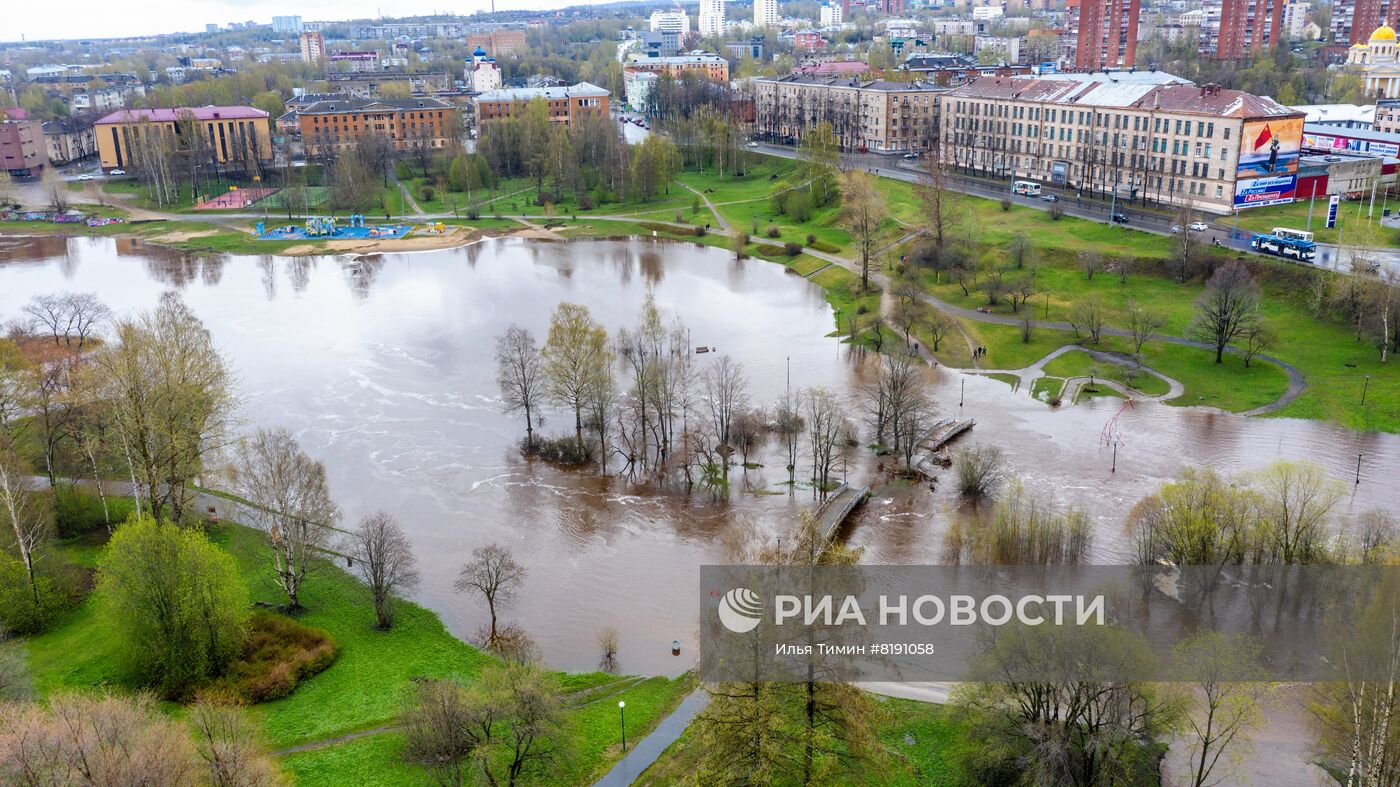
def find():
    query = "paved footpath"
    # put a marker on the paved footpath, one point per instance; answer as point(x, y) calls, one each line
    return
point(648, 749)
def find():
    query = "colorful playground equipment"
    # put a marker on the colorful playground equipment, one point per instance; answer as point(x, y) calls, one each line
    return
point(329, 227)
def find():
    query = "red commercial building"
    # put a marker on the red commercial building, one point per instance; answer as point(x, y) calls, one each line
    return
point(1105, 33)
point(1246, 26)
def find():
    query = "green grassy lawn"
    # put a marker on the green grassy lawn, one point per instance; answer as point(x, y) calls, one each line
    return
point(937, 735)
point(744, 202)
point(1046, 389)
point(1295, 216)
point(1080, 364)
point(365, 687)
point(1010, 379)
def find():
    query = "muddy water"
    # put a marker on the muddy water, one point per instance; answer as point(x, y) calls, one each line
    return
point(383, 368)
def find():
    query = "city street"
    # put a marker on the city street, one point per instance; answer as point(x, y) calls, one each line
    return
point(1091, 208)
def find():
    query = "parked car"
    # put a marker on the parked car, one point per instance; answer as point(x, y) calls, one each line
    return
point(85, 176)
point(911, 155)
point(117, 172)
point(1119, 218)
point(1176, 229)
point(1049, 198)
point(1198, 226)
point(753, 144)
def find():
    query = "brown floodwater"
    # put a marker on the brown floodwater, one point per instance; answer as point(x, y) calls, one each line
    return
point(382, 366)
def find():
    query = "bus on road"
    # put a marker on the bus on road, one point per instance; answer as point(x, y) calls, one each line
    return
point(1291, 248)
point(1284, 232)
point(1028, 188)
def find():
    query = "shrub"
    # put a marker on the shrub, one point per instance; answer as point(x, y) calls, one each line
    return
point(545, 198)
point(1006, 203)
point(798, 205)
point(792, 249)
point(1056, 212)
point(563, 450)
point(585, 202)
point(768, 249)
point(77, 511)
point(278, 654)
point(811, 239)
point(680, 217)
point(20, 613)
point(773, 231)
point(180, 625)
point(426, 193)
point(821, 245)
point(701, 232)
point(473, 212)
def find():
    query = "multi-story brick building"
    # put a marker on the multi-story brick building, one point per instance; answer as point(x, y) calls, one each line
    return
point(407, 123)
point(502, 42)
point(1218, 150)
point(313, 47)
point(712, 67)
point(1353, 20)
point(566, 104)
point(1105, 33)
point(1248, 26)
point(239, 137)
point(877, 115)
point(22, 149)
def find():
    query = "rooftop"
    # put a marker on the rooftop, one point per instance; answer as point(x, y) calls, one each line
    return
point(1184, 99)
point(342, 105)
point(581, 90)
point(169, 115)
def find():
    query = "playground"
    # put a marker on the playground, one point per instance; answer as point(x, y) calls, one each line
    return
point(331, 228)
point(235, 198)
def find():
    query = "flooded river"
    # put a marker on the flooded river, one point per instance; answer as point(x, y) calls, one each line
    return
point(383, 368)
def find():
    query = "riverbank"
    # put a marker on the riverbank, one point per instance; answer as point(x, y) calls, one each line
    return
point(338, 726)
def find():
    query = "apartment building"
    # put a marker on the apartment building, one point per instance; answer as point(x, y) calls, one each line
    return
point(407, 123)
point(22, 149)
point(1105, 33)
point(313, 47)
point(1249, 26)
point(677, 22)
point(712, 67)
point(502, 42)
point(765, 13)
point(237, 136)
point(877, 115)
point(1353, 20)
point(69, 139)
point(711, 18)
point(1218, 150)
point(566, 104)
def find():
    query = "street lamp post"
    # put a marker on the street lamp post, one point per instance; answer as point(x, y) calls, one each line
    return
point(622, 717)
point(1364, 387)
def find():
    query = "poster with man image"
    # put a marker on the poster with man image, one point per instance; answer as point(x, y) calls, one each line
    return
point(1268, 168)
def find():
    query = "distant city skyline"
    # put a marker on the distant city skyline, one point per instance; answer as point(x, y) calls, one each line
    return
point(91, 19)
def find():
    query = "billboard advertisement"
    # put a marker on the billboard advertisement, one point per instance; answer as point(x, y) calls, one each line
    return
point(1268, 170)
point(1261, 192)
point(1328, 143)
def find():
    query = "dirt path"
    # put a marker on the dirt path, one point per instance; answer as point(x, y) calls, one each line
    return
point(724, 224)
point(1030, 374)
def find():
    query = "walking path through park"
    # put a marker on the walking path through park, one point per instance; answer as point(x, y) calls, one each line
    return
point(719, 217)
point(649, 749)
point(1036, 370)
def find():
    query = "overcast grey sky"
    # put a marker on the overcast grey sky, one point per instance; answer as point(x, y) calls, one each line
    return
point(106, 19)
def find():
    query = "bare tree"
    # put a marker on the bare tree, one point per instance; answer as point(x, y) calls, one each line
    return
point(826, 428)
point(494, 573)
point(519, 375)
point(725, 389)
point(71, 318)
point(1090, 262)
point(1143, 324)
point(938, 326)
point(438, 728)
point(1089, 313)
point(1257, 338)
point(382, 554)
point(607, 647)
point(939, 201)
point(980, 470)
point(862, 212)
point(22, 514)
point(291, 504)
point(1229, 303)
point(227, 743)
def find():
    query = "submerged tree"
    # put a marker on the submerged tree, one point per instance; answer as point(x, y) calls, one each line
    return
point(519, 373)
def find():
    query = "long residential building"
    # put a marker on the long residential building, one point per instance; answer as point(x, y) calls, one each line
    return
point(407, 123)
point(565, 104)
point(22, 149)
point(1249, 26)
point(712, 67)
point(877, 115)
point(1214, 149)
point(236, 136)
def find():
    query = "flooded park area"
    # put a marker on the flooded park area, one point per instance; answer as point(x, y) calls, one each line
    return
point(383, 368)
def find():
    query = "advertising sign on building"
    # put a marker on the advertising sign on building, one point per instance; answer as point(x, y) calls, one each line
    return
point(1268, 168)
point(1332, 205)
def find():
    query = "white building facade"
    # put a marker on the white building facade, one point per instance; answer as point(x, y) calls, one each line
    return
point(765, 13)
point(711, 18)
